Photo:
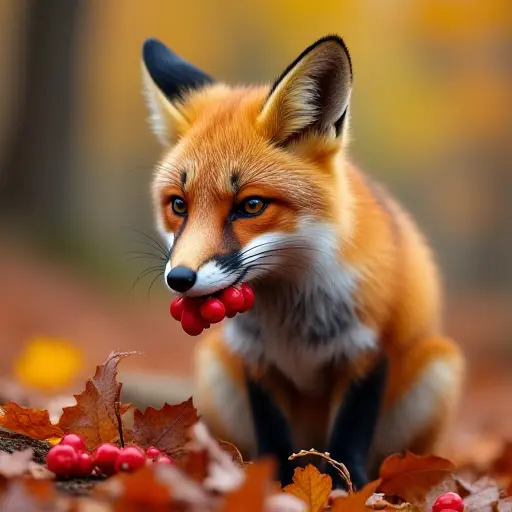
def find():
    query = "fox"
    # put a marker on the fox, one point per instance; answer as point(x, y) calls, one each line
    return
point(344, 350)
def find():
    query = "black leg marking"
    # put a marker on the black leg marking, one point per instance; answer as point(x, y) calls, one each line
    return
point(354, 426)
point(273, 436)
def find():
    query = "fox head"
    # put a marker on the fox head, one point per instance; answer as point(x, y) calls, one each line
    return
point(251, 184)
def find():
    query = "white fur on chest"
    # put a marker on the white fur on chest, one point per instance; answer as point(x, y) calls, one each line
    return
point(301, 326)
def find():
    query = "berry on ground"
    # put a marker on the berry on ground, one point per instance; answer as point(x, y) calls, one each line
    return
point(191, 320)
point(62, 459)
point(248, 294)
point(84, 465)
point(163, 459)
point(130, 459)
point(177, 308)
point(448, 502)
point(213, 310)
point(74, 441)
point(232, 299)
point(153, 452)
point(105, 458)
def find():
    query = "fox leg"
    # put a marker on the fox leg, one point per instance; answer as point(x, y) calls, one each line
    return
point(355, 419)
point(422, 394)
point(237, 408)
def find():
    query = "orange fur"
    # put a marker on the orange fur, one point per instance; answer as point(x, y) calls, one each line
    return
point(225, 131)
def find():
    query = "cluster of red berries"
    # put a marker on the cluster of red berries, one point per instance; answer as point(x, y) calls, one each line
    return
point(70, 458)
point(196, 315)
point(448, 502)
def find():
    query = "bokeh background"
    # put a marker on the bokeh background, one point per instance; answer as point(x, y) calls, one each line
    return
point(431, 117)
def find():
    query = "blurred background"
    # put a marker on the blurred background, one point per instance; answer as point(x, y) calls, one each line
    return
point(431, 118)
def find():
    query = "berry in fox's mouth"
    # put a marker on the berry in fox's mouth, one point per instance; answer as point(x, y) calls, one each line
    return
point(196, 314)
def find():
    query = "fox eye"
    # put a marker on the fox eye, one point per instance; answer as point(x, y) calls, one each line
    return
point(252, 206)
point(179, 206)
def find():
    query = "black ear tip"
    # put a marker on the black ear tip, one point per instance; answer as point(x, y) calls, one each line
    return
point(334, 38)
point(153, 48)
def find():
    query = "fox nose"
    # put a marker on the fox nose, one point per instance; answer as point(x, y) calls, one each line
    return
point(181, 279)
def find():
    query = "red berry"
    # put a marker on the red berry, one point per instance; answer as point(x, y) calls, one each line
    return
point(105, 458)
point(448, 502)
point(191, 320)
point(248, 294)
point(176, 308)
point(62, 459)
point(131, 458)
point(74, 441)
point(163, 459)
point(230, 315)
point(84, 465)
point(213, 310)
point(153, 452)
point(232, 299)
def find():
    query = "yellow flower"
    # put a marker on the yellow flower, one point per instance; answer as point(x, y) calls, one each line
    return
point(48, 364)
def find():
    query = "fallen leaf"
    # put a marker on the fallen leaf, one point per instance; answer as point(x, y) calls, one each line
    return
point(410, 476)
point(310, 486)
point(233, 451)
point(356, 502)
point(484, 496)
point(252, 494)
point(223, 474)
point(48, 364)
point(195, 464)
point(15, 464)
point(30, 422)
point(97, 415)
point(167, 428)
point(127, 491)
point(504, 505)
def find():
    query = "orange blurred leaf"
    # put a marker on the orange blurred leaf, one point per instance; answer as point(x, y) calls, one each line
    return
point(132, 491)
point(310, 486)
point(356, 501)
point(503, 464)
point(97, 415)
point(410, 476)
point(251, 495)
point(30, 422)
point(166, 428)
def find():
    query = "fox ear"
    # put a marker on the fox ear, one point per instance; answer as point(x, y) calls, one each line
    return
point(167, 79)
point(313, 93)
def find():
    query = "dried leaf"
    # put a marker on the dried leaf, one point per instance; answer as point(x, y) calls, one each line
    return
point(233, 451)
point(97, 415)
point(504, 505)
point(16, 463)
point(166, 428)
point(410, 476)
point(196, 464)
point(223, 474)
point(484, 496)
point(252, 494)
point(356, 502)
point(30, 422)
point(310, 486)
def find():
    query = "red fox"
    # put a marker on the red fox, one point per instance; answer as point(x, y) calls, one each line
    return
point(344, 349)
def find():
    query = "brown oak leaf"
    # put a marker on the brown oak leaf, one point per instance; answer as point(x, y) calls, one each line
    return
point(30, 422)
point(254, 491)
point(410, 476)
point(166, 428)
point(97, 414)
point(310, 486)
point(356, 502)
